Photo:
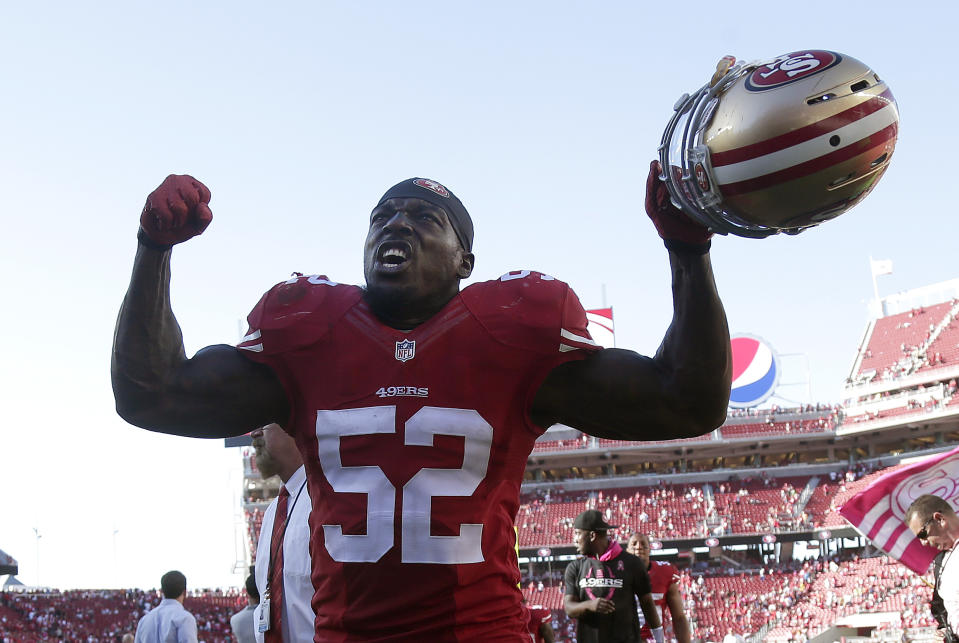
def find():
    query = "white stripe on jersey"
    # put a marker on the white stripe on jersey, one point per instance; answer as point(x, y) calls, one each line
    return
point(573, 339)
point(255, 348)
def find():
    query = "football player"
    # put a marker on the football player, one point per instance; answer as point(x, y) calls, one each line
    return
point(415, 404)
point(539, 625)
point(664, 579)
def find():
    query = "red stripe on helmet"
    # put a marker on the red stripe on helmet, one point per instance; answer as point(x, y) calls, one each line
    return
point(803, 134)
point(811, 166)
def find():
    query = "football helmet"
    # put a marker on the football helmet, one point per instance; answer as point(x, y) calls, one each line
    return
point(779, 145)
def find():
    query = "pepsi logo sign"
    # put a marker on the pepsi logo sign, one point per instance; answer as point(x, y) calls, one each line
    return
point(655, 545)
point(544, 552)
point(825, 534)
point(790, 68)
point(769, 538)
point(712, 542)
point(755, 371)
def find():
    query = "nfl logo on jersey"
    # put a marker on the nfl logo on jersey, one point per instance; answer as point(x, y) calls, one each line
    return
point(405, 350)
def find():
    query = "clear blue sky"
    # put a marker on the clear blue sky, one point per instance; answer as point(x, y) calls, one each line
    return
point(541, 116)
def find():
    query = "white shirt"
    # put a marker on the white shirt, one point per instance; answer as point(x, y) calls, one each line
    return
point(168, 622)
point(243, 626)
point(298, 614)
point(949, 587)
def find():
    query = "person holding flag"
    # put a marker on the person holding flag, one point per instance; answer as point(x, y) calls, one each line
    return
point(908, 513)
point(934, 522)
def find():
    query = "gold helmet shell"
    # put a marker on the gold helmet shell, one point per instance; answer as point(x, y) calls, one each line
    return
point(779, 145)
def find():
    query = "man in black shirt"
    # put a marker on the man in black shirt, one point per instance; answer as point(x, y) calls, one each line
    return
point(602, 587)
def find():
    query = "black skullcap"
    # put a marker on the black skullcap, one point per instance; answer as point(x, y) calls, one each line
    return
point(438, 195)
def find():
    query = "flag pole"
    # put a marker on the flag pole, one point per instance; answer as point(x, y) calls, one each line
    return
point(875, 286)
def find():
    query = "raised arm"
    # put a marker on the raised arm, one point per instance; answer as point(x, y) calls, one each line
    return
point(217, 392)
point(683, 390)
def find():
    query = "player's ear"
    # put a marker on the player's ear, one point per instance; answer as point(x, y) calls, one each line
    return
point(465, 269)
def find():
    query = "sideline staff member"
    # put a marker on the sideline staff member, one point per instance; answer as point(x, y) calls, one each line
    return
point(602, 587)
point(934, 521)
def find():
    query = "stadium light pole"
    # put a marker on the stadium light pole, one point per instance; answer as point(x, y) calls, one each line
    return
point(36, 532)
point(116, 569)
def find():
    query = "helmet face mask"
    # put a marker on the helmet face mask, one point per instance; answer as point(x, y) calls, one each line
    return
point(779, 146)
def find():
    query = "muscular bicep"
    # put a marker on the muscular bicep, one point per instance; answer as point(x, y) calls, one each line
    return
point(619, 394)
point(216, 393)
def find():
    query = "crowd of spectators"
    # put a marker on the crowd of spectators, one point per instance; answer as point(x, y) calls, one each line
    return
point(791, 602)
point(104, 616)
point(737, 505)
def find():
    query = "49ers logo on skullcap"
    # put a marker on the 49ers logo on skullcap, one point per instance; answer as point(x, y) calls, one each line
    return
point(790, 68)
point(432, 186)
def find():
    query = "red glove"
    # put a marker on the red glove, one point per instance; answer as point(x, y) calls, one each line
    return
point(176, 211)
point(671, 223)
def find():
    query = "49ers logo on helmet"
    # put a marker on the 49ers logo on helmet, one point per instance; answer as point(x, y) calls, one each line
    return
point(790, 68)
point(432, 186)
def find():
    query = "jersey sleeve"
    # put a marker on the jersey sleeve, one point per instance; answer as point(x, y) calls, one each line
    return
point(673, 576)
point(534, 314)
point(541, 614)
point(571, 579)
point(532, 311)
point(294, 314)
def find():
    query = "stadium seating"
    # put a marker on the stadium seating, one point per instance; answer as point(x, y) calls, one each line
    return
point(749, 506)
point(944, 349)
point(765, 429)
point(896, 338)
point(795, 601)
point(105, 615)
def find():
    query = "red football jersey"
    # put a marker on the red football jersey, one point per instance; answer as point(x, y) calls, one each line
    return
point(537, 616)
point(415, 443)
point(661, 576)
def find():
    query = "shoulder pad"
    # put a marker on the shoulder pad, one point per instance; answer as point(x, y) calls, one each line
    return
point(296, 313)
point(530, 310)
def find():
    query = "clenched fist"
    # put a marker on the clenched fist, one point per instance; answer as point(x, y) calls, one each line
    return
point(176, 211)
point(671, 223)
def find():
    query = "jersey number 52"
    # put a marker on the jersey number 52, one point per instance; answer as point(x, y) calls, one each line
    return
point(418, 545)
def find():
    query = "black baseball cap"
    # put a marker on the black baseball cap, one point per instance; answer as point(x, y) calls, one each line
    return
point(591, 520)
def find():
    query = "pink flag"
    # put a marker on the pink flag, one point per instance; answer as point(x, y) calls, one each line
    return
point(879, 511)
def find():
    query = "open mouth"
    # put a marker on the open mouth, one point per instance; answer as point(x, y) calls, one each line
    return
point(392, 256)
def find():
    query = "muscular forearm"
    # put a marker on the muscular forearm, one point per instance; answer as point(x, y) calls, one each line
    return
point(674, 602)
point(217, 393)
point(147, 342)
point(650, 613)
point(576, 609)
point(695, 353)
point(681, 629)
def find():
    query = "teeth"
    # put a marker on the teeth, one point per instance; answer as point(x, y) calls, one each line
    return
point(395, 252)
